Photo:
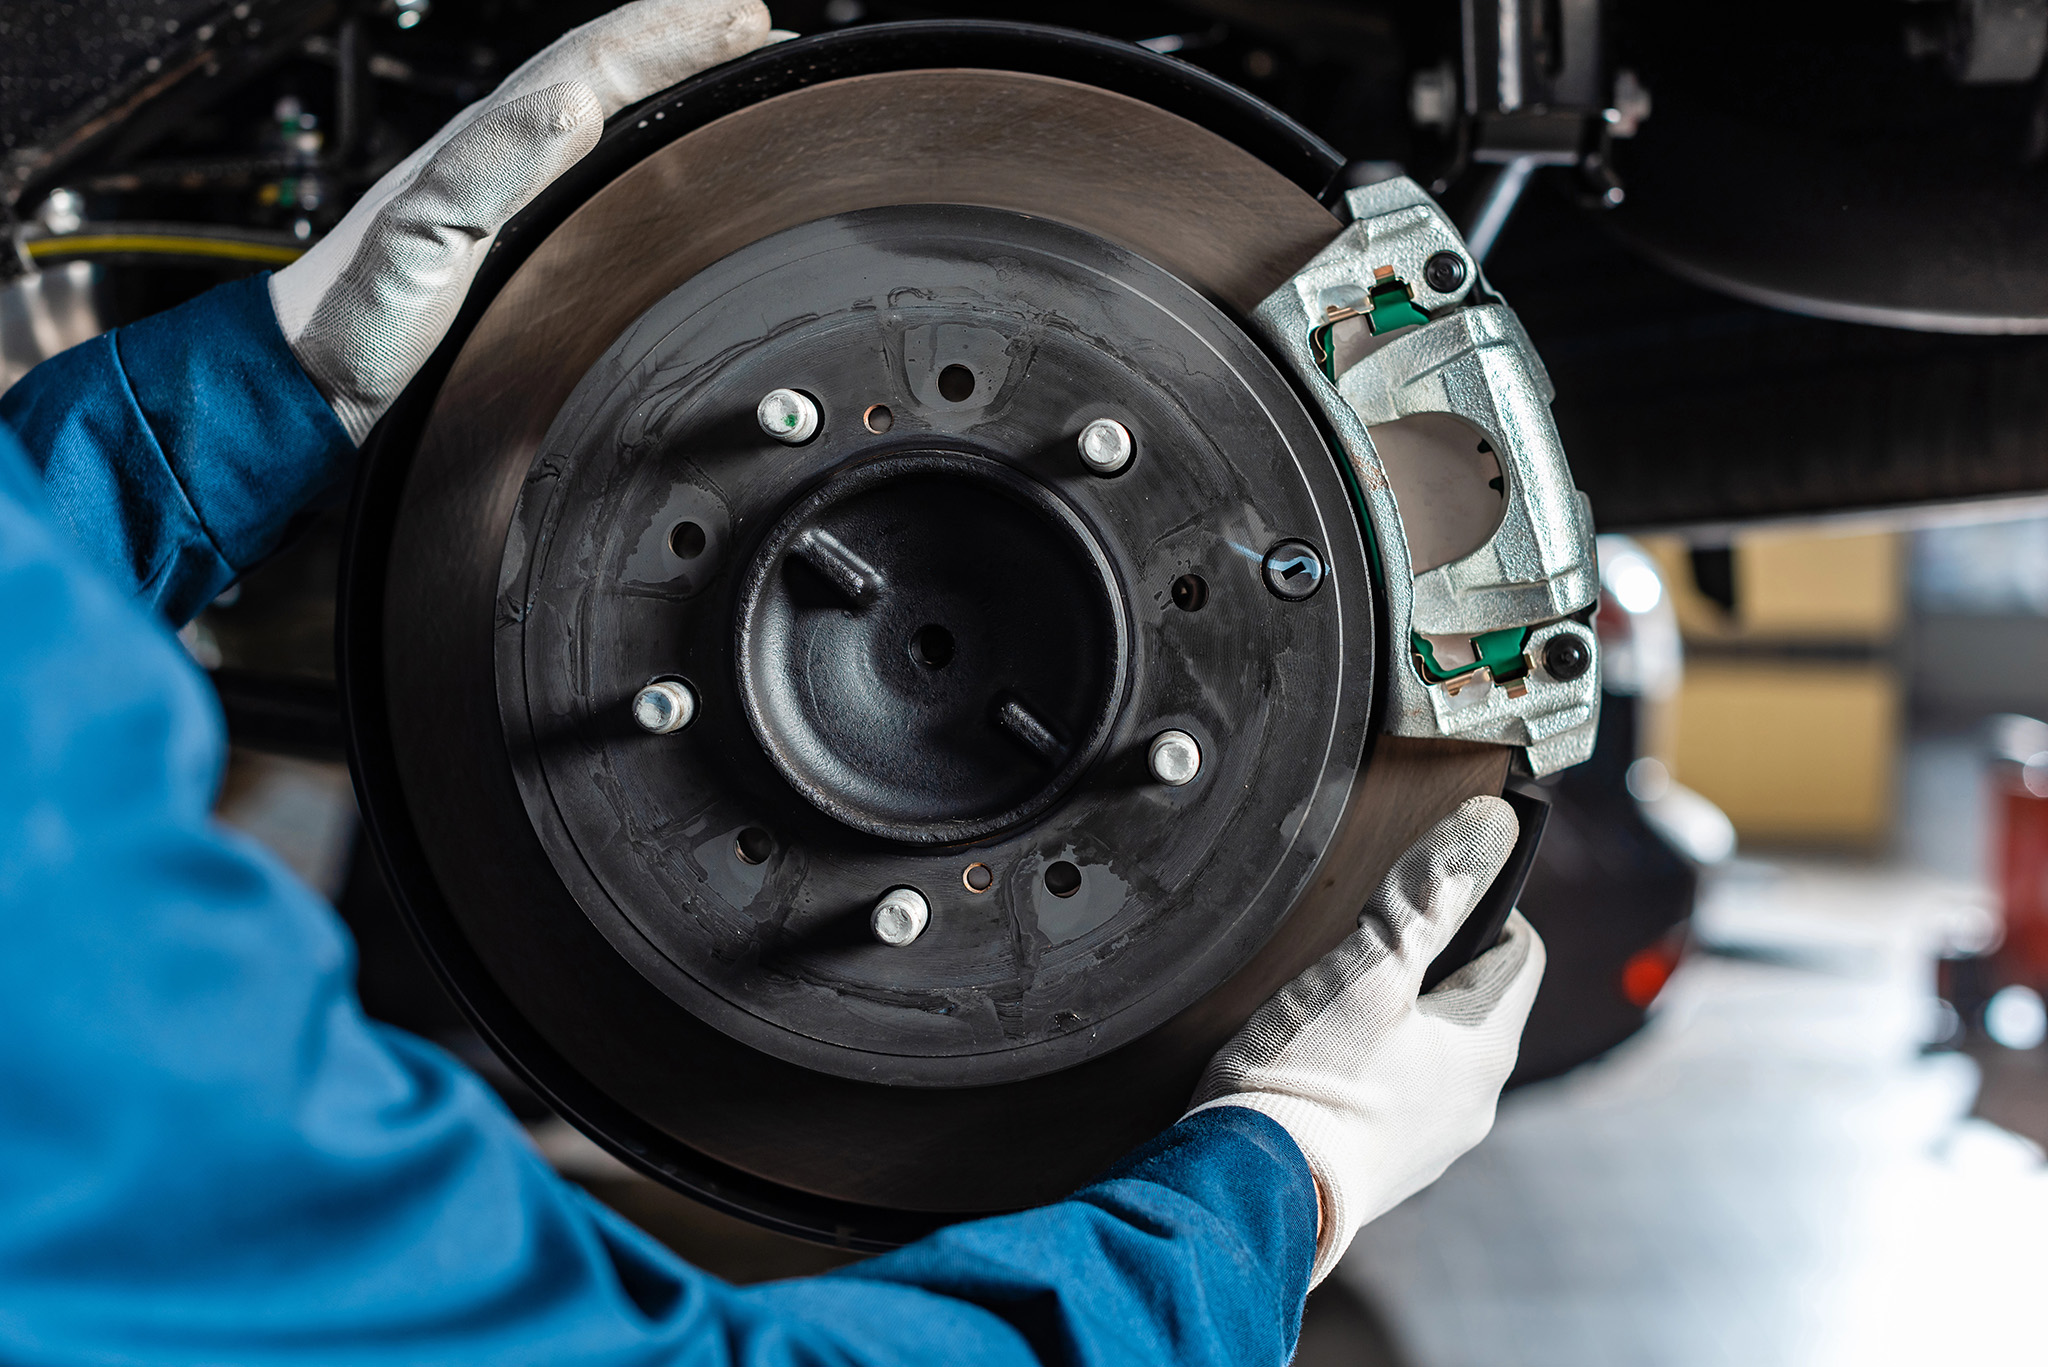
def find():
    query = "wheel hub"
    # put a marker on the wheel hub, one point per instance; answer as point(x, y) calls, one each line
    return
point(931, 646)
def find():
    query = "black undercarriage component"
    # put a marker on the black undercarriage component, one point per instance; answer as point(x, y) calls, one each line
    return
point(1850, 161)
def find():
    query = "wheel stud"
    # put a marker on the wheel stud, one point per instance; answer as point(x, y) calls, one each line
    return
point(900, 916)
point(788, 415)
point(1106, 446)
point(664, 706)
point(1175, 758)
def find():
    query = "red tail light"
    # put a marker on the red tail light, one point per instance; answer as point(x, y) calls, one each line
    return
point(1647, 970)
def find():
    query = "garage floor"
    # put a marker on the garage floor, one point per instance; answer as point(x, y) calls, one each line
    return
point(1775, 1172)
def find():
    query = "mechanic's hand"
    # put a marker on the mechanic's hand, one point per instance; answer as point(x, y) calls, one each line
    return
point(1383, 1089)
point(369, 303)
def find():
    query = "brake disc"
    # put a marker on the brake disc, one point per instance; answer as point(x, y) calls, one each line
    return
point(912, 920)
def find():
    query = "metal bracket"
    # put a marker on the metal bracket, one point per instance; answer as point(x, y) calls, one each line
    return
point(1470, 360)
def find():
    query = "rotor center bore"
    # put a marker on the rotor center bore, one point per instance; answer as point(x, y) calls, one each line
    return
point(932, 646)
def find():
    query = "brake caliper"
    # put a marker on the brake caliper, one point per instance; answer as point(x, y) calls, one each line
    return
point(1443, 412)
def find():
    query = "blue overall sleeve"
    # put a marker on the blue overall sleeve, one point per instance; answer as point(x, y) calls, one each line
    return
point(208, 1154)
point(175, 450)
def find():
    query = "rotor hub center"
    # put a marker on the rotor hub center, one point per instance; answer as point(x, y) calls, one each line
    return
point(931, 646)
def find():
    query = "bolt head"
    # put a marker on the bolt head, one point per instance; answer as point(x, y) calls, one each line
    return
point(1106, 446)
point(1566, 657)
point(1175, 758)
point(1293, 570)
point(900, 917)
point(788, 415)
point(1444, 272)
point(664, 706)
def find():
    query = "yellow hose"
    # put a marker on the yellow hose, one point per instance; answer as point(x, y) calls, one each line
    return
point(118, 244)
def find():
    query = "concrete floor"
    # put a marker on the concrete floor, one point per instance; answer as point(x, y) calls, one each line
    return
point(1774, 1172)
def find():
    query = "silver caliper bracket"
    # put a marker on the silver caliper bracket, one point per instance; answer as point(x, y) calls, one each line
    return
point(1391, 322)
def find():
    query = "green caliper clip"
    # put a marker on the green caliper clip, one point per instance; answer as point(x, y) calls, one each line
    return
point(1393, 306)
point(1389, 306)
point(1499, 652)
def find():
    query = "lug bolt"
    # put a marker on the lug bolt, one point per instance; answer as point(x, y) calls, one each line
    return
point(1106, 446)
point(1444, 272)
point(664, 706)
point(900, 916)
point(1293, 570)
point(1174, 758)
point(1565, 657)
point(788, 415)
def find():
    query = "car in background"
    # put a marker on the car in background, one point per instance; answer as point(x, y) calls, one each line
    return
point(1615, 880)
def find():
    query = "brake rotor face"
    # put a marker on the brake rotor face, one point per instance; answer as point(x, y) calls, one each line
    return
point(955, 643)
point(584, 898)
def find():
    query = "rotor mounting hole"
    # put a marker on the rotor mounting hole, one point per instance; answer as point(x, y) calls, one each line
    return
point(1190, 592)
point(878, 419)
point(956, 384)
point(1062, 879)
point(754, 845)
point(686, 539)
point(932, 646)
point(978, 878)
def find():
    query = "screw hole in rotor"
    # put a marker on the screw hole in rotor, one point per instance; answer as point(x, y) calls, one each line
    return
point(754, 846)
point(878, 419)
point(1190, 593)
point(1062, 879)
point(933, 646)
point(686, 539)
point(977, 878)
point(956, 384)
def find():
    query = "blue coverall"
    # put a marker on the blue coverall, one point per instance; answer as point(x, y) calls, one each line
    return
point(208, 1155)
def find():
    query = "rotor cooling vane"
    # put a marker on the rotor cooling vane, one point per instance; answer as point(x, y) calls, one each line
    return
point(861, 668)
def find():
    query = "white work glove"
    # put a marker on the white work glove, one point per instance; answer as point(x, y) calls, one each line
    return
point(1381, 1088)
point(368, 304)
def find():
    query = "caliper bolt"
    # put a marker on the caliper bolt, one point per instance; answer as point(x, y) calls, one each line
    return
point(788, 415)
point(1106, 446)
point(664, 706)
point(1444, 272)
point(1174, 758)
point(1293, 570)
point(900, 916)
point(1565, 657)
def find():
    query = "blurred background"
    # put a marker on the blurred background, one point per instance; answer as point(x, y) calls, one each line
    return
point(1825, 1145)
point(1785, 1094)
